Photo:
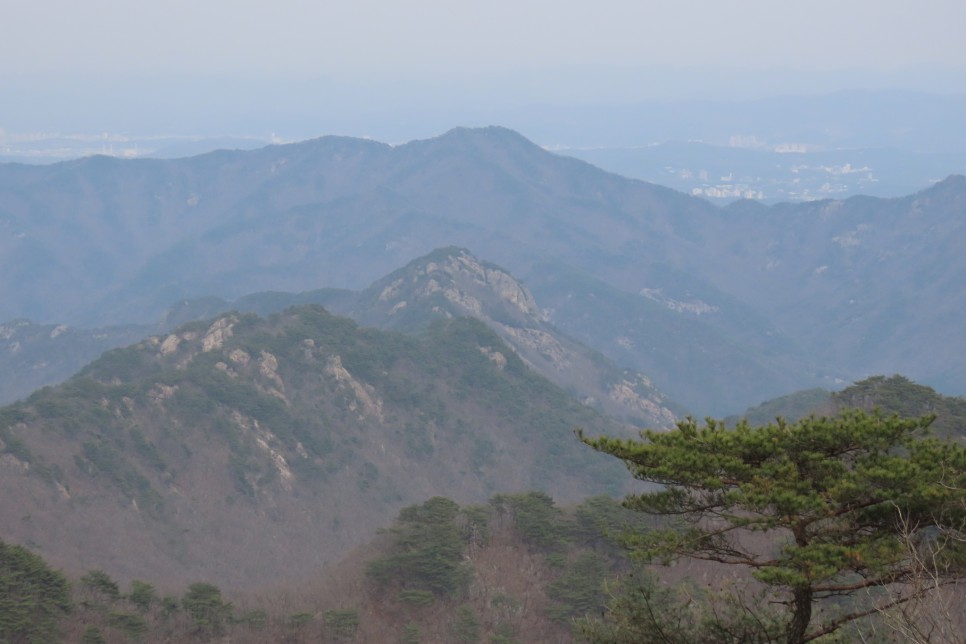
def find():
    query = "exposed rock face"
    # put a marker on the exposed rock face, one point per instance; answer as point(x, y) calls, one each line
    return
point(268, 368)
point(695, 307)
point(634, 394)
point(170, 345)
point(498, 358)
point(446, 284)
point(161, 393)
point(463, 265)
point(390, 290)
point(220, 331)
point(367, 404)
point(269, 443)
point(537, 341)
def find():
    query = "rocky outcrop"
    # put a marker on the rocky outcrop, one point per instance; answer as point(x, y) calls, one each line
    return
point(366, 403)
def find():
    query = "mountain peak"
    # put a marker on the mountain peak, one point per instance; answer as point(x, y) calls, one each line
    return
point(491, 136)
point(944, 194)
point(452, 282)
point(489, 132)
point(953, 184)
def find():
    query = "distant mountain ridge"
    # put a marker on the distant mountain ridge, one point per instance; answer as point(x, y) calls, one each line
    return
point(800, 295)
point(447, 283)
point(215, 218)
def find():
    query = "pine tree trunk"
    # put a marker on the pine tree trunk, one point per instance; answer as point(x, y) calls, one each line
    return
point(801, 614)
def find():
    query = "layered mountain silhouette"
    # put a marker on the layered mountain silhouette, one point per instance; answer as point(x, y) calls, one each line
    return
point(446, 284)
point(745, 302)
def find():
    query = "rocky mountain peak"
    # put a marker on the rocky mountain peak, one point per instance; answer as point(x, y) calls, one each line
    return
point(451, 282)
point(466, 285)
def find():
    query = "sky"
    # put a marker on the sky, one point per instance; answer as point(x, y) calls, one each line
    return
point(386, 37)
point(397, 70)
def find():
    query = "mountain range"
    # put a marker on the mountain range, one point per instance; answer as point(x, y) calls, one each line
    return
point(446, 284)
point(720, 307)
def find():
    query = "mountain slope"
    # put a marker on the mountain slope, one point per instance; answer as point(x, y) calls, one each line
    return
point(333, 211)
point(862, 283)
point(247, 448)
point(451, 282)
point(709, 369)
point(831, 289)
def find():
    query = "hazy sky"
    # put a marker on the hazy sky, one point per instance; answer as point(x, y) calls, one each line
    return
point(376, 37)
point(402, 69)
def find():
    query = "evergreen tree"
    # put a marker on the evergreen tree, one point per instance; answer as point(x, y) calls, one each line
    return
point(427, 558)
point(142, 595)
point(32, 596)
point(101, 585)
point(204, 603)
point(840, 498)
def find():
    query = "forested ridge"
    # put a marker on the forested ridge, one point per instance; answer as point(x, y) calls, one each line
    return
point(521, 568)
point(295, 435)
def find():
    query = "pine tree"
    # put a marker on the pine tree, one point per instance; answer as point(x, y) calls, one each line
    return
point(33, 597)
point(840, 498)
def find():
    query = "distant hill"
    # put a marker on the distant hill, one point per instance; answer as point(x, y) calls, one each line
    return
point(791, 407)
point(784, 297)
point(899, 395)
point(890, 394)
point(241, 448)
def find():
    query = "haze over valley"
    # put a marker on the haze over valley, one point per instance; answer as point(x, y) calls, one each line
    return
point(382, 322)
point(815, 294)
point(786, 148)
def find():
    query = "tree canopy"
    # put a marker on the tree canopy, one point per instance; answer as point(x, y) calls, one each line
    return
point(841, 505)
point(33, 596)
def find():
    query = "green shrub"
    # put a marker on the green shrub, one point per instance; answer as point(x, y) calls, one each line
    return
point(142, 595)
point(411, 634)
point(101, 583)
point(204, 603)
point(465, 626)
point(299, 620)
point(580, 590)
point(131, 625)
point(416, 597)
point(504, 633)
point(254, 619)
point(342, 623)
point(93, 635)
